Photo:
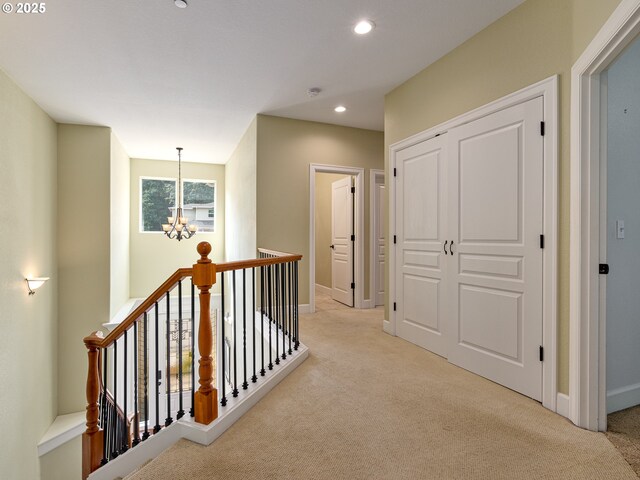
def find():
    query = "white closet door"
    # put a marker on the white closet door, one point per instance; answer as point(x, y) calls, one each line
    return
point(420, 229)
point(495, 279)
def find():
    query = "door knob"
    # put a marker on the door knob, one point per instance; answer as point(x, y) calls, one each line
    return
point(333, 246)
point(451, 247)
point(445, 246)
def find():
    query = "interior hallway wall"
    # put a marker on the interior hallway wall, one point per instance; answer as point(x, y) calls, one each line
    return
point(28, 152)
point(286, 148)
point(537, 39)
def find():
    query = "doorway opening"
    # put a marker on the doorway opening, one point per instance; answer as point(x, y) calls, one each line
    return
point(357, 284)
point(588, 390)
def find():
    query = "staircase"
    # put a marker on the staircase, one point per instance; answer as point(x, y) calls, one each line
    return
point(141, 380)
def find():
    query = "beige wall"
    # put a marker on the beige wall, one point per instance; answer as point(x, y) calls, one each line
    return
point(323, 226)
point(153, 256)
point(84, 234)
point(120, 205)
point(63, 463)
point(286, 147)
point(29, 323)
point(240, 176)
point(538, 39)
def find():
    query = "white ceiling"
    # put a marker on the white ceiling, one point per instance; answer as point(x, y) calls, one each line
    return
point(163, 77)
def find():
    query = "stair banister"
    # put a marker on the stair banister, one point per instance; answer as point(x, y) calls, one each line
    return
point(206, 398)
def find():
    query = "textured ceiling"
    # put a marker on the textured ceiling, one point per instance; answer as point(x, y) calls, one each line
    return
point(161, 76)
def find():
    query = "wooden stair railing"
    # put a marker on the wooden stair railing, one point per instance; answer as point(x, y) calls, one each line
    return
point(277, 284)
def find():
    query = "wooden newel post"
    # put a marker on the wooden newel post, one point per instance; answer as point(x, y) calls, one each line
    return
point(93, 437)
point(206, 398)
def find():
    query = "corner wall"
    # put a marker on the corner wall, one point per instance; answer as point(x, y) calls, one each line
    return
point(286, 148)
point(84, 235)
point(538, 39)
point(240, 196)
point(28, 150)
point(119, 249)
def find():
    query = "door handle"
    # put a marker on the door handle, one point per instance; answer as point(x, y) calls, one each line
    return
point(451, 247)
point(333, 247)
point(445, 246)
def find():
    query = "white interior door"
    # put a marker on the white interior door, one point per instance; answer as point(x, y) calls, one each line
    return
point(495, 291)
point(380, 243)
point(420, 228)
point(341, 243)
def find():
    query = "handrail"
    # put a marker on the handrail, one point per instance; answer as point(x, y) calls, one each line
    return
point(146, 305)
point(256, 262)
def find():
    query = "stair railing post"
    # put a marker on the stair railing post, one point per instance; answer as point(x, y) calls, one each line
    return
point(206, 398)
point(93, 437)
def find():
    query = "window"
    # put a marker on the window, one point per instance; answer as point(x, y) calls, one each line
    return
point(158, 201)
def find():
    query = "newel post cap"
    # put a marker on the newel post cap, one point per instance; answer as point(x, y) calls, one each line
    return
point(94, 340)
point(204, 272)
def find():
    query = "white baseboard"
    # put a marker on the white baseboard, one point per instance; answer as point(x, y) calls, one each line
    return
point(387, 327)
point(622, 398)
point(562, 405)
point(304, 308)
point(127, 462)
point(323, 289)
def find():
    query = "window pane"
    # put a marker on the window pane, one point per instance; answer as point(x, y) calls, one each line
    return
point(199, 204)
point(157, 198)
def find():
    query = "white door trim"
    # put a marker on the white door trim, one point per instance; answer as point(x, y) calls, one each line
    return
point(587, 350)
point(358, 257)
point(548, 89)
point(374, 176)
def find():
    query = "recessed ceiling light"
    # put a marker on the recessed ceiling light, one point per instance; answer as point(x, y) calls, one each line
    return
point(340, 109)
point(363, 27)
point(180, 3)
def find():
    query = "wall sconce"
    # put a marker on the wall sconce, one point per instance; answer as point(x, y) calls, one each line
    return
point(34, 283)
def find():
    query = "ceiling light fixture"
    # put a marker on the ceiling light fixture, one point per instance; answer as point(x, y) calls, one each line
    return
point(177, 226)
point(313, 92)
point(363, 27)
point(180, 3)
point(340, 109)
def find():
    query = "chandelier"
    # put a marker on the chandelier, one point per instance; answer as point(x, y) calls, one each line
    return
point(177, 226)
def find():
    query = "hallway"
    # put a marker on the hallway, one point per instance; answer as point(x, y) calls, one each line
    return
point(367, 405)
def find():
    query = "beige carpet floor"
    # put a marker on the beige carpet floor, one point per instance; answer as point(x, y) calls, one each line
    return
point(623, 429)
point(366, 405)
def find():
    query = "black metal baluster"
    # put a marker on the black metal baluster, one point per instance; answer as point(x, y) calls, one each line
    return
point(167, 375)
point(136, 413)
point(103, 419)
point(145, 361)
point(254, 378)
point(125, 444)
point(296, 324)
point(245, 384)
point(223, 400)
point(180, 409)
point(290, 305)
point(114, 451)
point(235, 331)
point(157, 427)
point(262, 313)
point(277, 309)
point(283, 271)
point(269, 317)
point(193, 348)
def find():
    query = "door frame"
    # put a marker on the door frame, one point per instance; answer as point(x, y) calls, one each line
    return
point(358, 254)
point(374, 176)
point(548, 90)
point(587, 347)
